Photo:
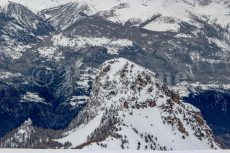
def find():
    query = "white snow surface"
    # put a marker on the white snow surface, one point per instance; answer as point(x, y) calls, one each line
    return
point(32, 97)
point(6, 75)
point(159, 26)
point(78, 100)
point(113, 46)
point(185, 88)
point(79, 42)
point(105, 151)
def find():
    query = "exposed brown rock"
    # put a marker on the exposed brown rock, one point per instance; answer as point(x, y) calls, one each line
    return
point(126, 105)
point(199, 120)
point(152, 103)
point(176, 98)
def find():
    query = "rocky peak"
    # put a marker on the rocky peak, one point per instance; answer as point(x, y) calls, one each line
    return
point(128, 101)
point(27, 19)
point(132, 85)
point(63, 16)
point(19, 137)
point(129, 83)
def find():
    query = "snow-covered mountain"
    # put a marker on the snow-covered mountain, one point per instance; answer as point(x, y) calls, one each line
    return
point(36, 5)
point(160, 15)
point(130, 109)
point(61, 17)
point(20, 28)
point(20, 137)
point(140, 13)
point(29, 136)
point(27, 19)
point(189, 37)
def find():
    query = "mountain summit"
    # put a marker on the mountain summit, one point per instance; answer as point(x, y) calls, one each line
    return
point(130, 109)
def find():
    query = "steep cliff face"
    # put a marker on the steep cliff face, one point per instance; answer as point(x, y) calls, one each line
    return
point(27, 19)
point(130, 109)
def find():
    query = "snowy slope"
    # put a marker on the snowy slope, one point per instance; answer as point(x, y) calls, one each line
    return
point(64, 16)
point(36, 5)
point(143, 10)
point(130, 109)
point(53, 51)
point(21, 135)
point(27, 19)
